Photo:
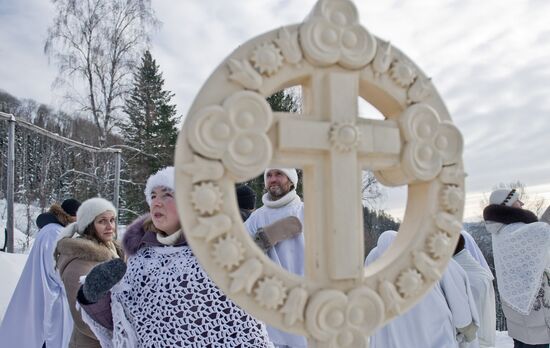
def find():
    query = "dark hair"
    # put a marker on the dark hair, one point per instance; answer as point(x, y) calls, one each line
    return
point(246, 197)
point(459, 245)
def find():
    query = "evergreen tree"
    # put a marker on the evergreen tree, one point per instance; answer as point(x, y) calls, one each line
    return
point(281, 101)
point(150, 132)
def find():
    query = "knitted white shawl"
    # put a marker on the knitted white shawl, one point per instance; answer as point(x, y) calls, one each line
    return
point(521, 253)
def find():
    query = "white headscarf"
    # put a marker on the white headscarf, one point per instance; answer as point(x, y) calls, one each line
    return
point(471, 245)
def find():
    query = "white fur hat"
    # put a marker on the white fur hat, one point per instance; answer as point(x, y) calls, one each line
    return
point(504, 197)
point(164, 177)
point(86, 214)
point(291, 174)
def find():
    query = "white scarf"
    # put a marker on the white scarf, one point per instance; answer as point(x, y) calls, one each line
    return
point(521, 257)
point(169, 239)
point(289, 197)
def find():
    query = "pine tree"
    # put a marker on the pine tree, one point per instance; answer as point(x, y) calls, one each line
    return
point(150, 132)
point(280, 101)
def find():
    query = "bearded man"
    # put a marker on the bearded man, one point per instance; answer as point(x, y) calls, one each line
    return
point(285, 246)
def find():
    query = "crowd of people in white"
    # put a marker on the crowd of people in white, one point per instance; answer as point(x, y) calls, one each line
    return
point(150, 291)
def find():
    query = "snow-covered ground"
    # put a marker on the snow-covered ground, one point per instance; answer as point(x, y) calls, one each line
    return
point(503, 340)
point(11, 266)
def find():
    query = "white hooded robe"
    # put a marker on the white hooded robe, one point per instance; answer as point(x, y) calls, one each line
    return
point(432, 322)
point(38, 312)
point(481, 283)
point(289, 254)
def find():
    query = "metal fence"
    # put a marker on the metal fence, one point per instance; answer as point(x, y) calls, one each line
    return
point(39, 167)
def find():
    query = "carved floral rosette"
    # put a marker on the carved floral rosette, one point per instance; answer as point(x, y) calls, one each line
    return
point(229, 136)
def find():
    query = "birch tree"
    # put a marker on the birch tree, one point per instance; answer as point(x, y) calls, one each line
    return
point(96, 44)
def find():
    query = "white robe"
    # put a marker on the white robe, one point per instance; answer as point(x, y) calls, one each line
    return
point(481, 283)
point(431, 323)
point(289, 254)
point(38, 311)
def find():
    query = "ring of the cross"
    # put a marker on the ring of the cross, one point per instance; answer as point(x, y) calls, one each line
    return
point(231, 135)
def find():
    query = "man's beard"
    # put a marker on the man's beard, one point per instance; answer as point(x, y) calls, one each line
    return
point(277, 191)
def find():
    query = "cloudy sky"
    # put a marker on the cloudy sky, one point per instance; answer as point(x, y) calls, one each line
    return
point(490, 61)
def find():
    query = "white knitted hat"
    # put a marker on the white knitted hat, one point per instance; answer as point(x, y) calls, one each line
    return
point(86, 214)
point(291, 173)
point(164, 177)
point(504, 197)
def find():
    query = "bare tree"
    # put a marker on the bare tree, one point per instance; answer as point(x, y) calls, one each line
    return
point(371, 190)
point(96, 44)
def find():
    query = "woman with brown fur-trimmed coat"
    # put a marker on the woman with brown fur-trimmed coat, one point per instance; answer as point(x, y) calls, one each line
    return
point(75, 257)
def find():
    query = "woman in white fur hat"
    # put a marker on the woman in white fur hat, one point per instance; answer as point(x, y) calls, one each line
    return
point(521, 249)
point(163, 298)
point(82, 245)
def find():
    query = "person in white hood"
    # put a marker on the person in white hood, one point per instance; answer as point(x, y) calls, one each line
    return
point(481, 284)
point(521, 246)
point(445, 318)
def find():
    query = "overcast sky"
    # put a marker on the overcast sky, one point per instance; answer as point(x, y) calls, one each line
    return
point(490, 61)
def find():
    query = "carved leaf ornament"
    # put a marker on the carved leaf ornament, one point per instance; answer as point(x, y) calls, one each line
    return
point(231, 135)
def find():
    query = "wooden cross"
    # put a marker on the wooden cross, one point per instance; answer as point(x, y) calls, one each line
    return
point(344, 145)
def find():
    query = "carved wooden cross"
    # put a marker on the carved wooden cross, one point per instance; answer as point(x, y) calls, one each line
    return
point(331, 127)
point(231, 136)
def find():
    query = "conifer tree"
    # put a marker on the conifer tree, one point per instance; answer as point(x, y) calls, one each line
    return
point(149, 133)
point(281, 101)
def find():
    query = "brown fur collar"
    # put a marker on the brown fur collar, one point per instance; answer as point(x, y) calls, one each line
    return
point(141, 234)
point(69, 249)
point(60, 214)
point(508, 215)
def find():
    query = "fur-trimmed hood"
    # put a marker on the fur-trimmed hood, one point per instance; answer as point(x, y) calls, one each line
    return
point(136, 237)
point(69, 249)
point(55, 215)
point(508, 215)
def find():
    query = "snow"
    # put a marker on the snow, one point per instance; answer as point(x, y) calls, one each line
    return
point(503, 340)
point(22, 222)
point(22, 242)
point(11, 266)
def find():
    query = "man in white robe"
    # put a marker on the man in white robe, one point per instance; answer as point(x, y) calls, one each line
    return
point(481, 284)
point(445, 316)
point(38, 314)
point(287, 250)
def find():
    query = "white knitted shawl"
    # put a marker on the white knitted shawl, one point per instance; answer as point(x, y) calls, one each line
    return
point(521, 253)
point(166, 300)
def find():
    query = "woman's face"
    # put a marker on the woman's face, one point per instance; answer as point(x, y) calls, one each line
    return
point(517, 204)
point(163, 210)
point(105, 226)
